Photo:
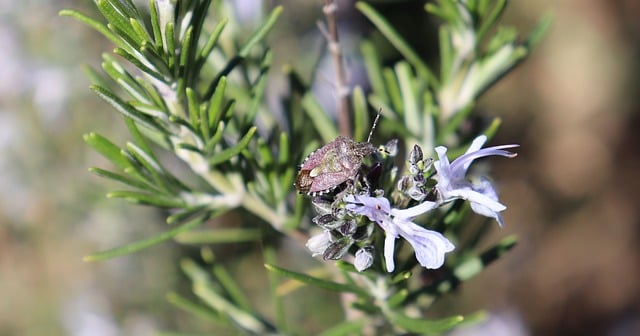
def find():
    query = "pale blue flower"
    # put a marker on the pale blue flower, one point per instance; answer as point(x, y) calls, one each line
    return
point(429, 246)
point(453, 184)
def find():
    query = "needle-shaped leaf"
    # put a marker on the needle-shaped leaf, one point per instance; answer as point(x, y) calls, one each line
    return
point(424, 326)
point(313, 281)
point(194, 308)
point(154, 240)
point(140, 62)
point(136, 183)
point(203, 289)
point(219, 236)
point(144, 198)
point(215, 109)
point(412, 113)
point(233, 151)
point(396, 40)
point(100, 27)
point(211, 43)
point(374, 70)
point(259, 34)
point(126, 109)
point(323, 124)
point(119, 21)
point(109, 150)
point(360, 114)
point(351, 327)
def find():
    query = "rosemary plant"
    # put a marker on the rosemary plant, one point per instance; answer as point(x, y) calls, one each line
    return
point(191, 86)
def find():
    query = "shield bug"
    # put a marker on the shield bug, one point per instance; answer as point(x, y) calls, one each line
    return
point(335, 163)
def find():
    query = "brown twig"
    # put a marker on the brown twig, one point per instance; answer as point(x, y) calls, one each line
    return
point(342, 89)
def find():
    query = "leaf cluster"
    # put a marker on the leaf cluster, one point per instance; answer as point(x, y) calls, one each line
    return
point(188, 85)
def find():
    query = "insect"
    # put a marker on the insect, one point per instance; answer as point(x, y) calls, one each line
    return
point(333, 164)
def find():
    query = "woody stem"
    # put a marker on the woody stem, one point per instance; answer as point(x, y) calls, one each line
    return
point(342, 89)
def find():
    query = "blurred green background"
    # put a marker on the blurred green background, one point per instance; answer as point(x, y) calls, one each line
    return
point(573, 107)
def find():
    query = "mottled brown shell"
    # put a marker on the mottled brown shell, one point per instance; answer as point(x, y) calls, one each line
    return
point(331, 165)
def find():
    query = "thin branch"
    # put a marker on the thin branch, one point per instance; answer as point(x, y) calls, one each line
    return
point(342, 89)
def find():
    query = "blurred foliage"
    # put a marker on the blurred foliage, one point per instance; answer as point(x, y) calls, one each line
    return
point(39, 205)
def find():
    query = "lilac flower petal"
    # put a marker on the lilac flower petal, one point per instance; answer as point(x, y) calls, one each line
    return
point(484, 211)
point(389, 249)
point(415, 211)
point(452, 182)
point(429, 246)
point(485, 188)
point(477, 143)
point(375, 208)
point(462, 163)
point(476, 197)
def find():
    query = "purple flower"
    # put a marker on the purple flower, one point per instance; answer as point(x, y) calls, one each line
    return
point(429, 246)
point(452, 183)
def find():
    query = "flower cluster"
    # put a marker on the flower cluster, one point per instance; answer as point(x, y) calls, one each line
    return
point(431, 183)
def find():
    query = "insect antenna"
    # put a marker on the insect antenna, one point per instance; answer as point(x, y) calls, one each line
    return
point(375, 123)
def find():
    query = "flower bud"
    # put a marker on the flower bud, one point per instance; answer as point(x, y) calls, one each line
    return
point(364, 258)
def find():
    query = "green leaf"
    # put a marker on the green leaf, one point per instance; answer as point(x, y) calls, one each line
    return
point(397, 41)
point(153, 167)
point(140, 144)
point(539, 31)
point(170, 43)
point(422, 326)
point(345, 328)
point(126, 109)
point(446, 53)
point(215, 103)
point(323, 124)
point(393, 88)
point(186, 60)
point(211, 43)
point(107, 149)
point(235, 150)
point(265, 160)
point(269, 254)
point(144, 198)
point(137, 59)
point(490, 20)
point(119, 21)
point(412, 113)
point(283, 150)
point(123, 179)
point(145, 243)
point(208, 147)
point(230, 285)
point(203, 288)
point(360, 115)
point(313, 281)
point(491, 130)
point(100, 27)
point(140, 30)
point(259, 34)
point(398, 298)
point(155, 24)
point(257, 92)
point(374, 70)
point(121, 76)
point(219, 236)
point(187, 214)
point(193, 308)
